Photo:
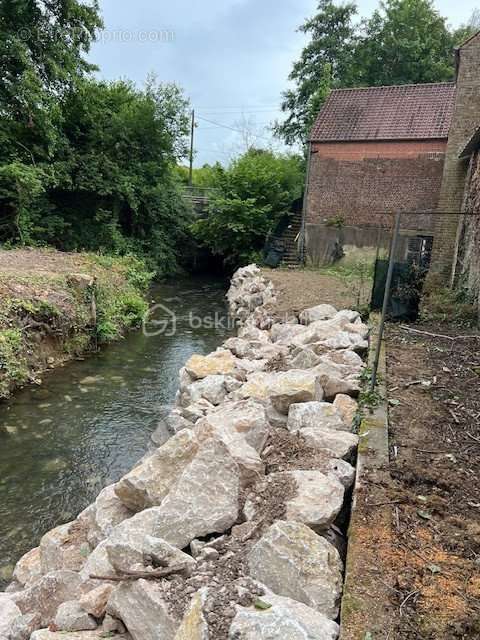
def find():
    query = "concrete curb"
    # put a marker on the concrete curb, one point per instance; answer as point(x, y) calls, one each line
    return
point(357, 620)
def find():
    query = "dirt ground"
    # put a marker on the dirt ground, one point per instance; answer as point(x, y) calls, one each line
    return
point(302, 288)
point(421, 534)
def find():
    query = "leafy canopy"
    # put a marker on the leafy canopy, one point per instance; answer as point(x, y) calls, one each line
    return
point(254, 192)
point(403, 42)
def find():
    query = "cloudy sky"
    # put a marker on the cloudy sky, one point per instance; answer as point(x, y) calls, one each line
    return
point(232, 58)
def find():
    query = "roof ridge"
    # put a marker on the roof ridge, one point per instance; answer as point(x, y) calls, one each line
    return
point(395, 86)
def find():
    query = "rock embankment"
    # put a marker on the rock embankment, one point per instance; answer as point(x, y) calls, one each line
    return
point(228, 530)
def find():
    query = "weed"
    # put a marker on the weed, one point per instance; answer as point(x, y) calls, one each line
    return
point(13, 366)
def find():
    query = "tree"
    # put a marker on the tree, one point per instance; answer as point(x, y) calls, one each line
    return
point(323, 65)
point(404, 42)
point(253, 193)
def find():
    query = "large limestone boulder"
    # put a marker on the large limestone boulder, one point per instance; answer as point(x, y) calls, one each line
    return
point(103, 515)
point(9, 612)
point(334, 379)
point(284, 388)
point(65, 547)
point(347, 407)
point(220, 362)
point(320, 312)
point(194, 626)
point(315, 414)
point(293, 561)
point(147, 484)
point(339, 444)
point(204, 500)
point(245, 418)
point(284, 333)
point(211, 388)
point(142, 607)
point(131, 546)
point(28, 569)
point(285, 619)
point(95, 602)
point(71, 617)
point(45, 634)
point(97, 564)
point(22, 627)
point(250, 465)
point(316, 501)
point(303, 358)
point(45, 596)
point(254, 334)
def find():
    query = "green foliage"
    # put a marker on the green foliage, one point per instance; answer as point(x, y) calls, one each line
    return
point(84, 164)
point(253, 194)
point(13, 369)
point(403, 42)
point(323, 65)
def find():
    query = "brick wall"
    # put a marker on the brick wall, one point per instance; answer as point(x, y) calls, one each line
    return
point(466, 119)
point(468, 267)
point(356, 180)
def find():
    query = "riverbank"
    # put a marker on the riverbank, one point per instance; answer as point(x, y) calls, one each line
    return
point(206, 537)
point(56, 306)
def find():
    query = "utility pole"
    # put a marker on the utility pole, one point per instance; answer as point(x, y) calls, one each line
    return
point(190, 173)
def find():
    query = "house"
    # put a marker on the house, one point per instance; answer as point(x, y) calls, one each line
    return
point(375, 151)
point(409, 148)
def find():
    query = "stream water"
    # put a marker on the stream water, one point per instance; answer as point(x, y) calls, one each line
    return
point(90, 421)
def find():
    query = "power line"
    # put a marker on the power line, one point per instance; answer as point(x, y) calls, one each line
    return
point(226, 126)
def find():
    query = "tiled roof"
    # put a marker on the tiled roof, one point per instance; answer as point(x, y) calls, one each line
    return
point(401, 112)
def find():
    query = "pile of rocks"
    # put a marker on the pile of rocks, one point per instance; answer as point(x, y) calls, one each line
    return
point(228, 529)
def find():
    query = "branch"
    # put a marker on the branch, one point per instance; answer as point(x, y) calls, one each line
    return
point(438, 335)
point(146, 575)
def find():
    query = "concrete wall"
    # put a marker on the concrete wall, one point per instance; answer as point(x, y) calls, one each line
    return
point(466, 119)
point(357, 180)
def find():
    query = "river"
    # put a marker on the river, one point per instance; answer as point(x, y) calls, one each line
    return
point(90, 421)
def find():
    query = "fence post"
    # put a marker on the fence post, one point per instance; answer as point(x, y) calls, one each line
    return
point(386, 297)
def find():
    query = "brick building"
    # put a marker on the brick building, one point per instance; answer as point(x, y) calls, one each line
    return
point(378, 150)
point(460, 160)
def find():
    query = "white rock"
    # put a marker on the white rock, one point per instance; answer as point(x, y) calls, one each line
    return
point(149, 483)
point(97, 564)
point(303, 358)
point(287, 619)
point(342, 471)
point(334, 380)
point(205, 499)
point(22, 627)
point(320, 312)
point(45, 634)
point(245, 418)
point(95, 602)
point(217, 363)
point(28, 569)
point(45, 596)
point(347, 407)
point(211, 388)
point(315, 414)
point(9, 612)
point(103, 515)
point(254, 334)
point(194, 625)
point(196, 410)
point(284, 333)
point(65, 547)
point(284, 388)
point(348, 315)
point(141, 606)
point(71, 617)
point(317, 500)
point(340, 444)
point(250, 465)
point(130, 546)
point(293, 561)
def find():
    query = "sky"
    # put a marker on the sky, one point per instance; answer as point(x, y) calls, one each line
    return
point(231, 57)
